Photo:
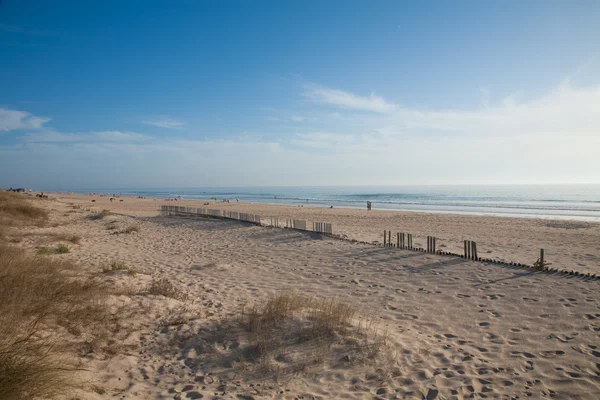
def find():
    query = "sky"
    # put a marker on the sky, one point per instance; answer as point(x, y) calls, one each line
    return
point(159, 94)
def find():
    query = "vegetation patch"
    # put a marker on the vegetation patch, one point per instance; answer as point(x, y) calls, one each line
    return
point(111, 225)
point(39, 297)
point(62, 249)
point(119, 266)
point(129, 229)
point(99, 215)
point(17, 210)
point(164, 287)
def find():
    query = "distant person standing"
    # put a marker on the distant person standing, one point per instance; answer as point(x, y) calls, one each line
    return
point(368, 206)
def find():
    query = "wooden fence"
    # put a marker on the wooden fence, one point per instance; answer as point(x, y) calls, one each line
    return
point(209, 212)
point(298, 224)
point(403, 240)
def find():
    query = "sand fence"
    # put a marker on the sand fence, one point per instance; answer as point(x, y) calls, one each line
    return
point(403, 240)
point(319, 227)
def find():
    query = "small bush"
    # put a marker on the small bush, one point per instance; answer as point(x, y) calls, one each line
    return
point(99, 215)
point(37, 296)
point(129, 229)
point(16, 210)
point(164, 287)
point(111, 225)
point(289, 332)
point(62, 249)
point(44, 251)
point(119, 266)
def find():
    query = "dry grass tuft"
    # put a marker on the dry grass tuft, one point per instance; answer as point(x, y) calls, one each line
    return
point(99, 215)
point(111, 225)
point(62, 249)
point(39, 296)
point(129, 229)
point(119, 266)
point(44, 251)
point(289, 333)
point(164, 287)
point(16, 210)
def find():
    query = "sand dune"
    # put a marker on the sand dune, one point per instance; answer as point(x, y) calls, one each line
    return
point(458, 329)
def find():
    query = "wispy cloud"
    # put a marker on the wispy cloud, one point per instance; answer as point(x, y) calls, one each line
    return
point(12, 120)
point(95, 137)
point(340, 98)
point(552, 138)
point(164, 122)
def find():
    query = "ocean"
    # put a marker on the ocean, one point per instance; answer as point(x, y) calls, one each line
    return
point(573, 202)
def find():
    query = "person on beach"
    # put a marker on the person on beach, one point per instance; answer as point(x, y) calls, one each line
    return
point(368, 206)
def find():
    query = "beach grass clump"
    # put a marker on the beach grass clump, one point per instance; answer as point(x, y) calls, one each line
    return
point(44, 251)
point(119, 266)
point(111, 225)
point(62, 249)
point(164, 287)
point(100, 215)
point(37, 296)
point(288, 333)
point(17, 210)
point(129, 229)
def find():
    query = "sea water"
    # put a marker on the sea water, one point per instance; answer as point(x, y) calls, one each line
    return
point(576, 202)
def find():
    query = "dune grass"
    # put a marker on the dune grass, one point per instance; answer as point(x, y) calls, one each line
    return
point(118, 266)
point(37, 296)
point(129, 229)
point(164, 287)
point(290, 332)
point(17, 209)
point(99, 215)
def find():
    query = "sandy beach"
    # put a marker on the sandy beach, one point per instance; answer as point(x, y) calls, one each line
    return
point(572, 245)
point(453, 328)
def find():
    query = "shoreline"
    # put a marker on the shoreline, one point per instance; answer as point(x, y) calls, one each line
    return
point(568, 244)
point(182, 287)
point(498, 214)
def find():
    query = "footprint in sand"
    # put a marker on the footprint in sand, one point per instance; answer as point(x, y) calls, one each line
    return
point(463, 296)
point(494, 296)
point(529, 299)
point(522, 354)
point(495, 314)
point(563, 338)
point(551, 353)
point(484, 324)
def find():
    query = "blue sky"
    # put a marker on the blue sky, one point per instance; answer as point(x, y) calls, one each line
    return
point(233, 93)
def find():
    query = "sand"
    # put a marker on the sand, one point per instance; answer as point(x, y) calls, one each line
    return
point(456, 328)
point(572, 245)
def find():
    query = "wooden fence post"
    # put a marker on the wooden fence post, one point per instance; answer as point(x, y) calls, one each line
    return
point(390, 238)
point(384, 237)
point(541, 257)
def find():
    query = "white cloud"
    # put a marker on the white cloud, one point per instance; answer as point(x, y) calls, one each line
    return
point(552, 138)
point(297, 118)
point(95, 137)
point(12, 120)
point(164, 122)
point(339, 98)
